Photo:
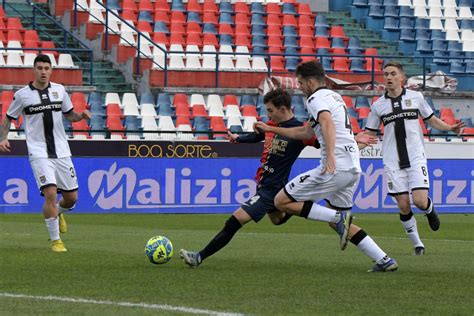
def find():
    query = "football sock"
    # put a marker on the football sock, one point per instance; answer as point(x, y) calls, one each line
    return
point(284, 219)
point(316, 212)
point(63, 209)
point(368, 246)
point(409, 224)
point(53, 228)
point(232, 225)
point(430, 207)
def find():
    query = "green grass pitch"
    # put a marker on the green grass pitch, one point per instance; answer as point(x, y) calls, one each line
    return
point(294, 269)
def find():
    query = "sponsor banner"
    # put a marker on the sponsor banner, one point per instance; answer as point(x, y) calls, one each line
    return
point(204, 185)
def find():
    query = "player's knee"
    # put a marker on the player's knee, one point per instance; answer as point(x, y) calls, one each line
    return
point(50, 194)
point(280, 201)
point(420, 202)
point(70, 199)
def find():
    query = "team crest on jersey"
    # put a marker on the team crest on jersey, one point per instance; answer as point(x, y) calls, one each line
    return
point(55, 95)
point(408, 103)
point(390, 185)
point(42, 179)
point(312, 122)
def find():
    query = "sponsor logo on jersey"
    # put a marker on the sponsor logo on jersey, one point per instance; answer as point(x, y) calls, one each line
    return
point(402, 115)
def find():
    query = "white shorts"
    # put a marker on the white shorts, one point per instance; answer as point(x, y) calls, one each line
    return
point(404, 181)
point(55, 171)
point(337, 189)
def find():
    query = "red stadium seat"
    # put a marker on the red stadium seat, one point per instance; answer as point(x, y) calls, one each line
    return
point(275, 50)
point(182, 110)
point(31, 35)
point(193, 27)
point(180, 99)
point(217, 122)
point(177, 38)
point(371, 52)
point(51, 48)
point(209, 17)
point(79, 101)
point(230, 99)
point(177, 28)
point(210, 39)
point(341, 64)
point(273, 8)
point(289, 19)
point(277, 64)
point(145, 5)
point(273, 19)
point(423, 126)
point(177, 17)
point(241, 7)
point(305, 20)
point(194, 6)
point(162, 5)
point(144, 26)
point(14, 35)
point(14, 24)
point(113, 109)
point(226, 29)
point(306, 42)
point(377, 66)
point(337, 31)
point(306, 31)
point(210, 6)
point(199, 110)
point(275, 41)
point(182, 120)
point(363, 112)
point(194, 39)
point(162, 16)
point(80, 126)
point(249, 110)
point(322, 42)
point(242, 40)
point(274, 30)
point(129, 15)
point(129, 5)
point(161, 38)
point(304, 9)
point(348, 101)
point(355, 125)
point(242, 18)
point(242, 29)
point(467, 131)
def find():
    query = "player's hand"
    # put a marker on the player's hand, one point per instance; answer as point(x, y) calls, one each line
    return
point(86, 115)
point(330, 165)
point(232, 137)
point(457, 127)
point(365, 138)
point(5, 145)
point(260, 127)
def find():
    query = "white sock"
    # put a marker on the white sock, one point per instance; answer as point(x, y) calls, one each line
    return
point(412, 232)
point(63, 209)
point(53, 228)
point(324, 214)
point(371, 249)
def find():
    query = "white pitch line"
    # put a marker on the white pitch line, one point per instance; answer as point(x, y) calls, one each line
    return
point(122, 304)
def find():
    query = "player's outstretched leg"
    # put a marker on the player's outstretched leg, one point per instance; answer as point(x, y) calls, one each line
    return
point(191, 258)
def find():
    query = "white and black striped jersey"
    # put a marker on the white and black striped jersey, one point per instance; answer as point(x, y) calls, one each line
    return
point(43, 116)
point(346, 149)
point(403, 144)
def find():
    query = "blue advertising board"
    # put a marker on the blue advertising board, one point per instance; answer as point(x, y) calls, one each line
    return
point(170, 185)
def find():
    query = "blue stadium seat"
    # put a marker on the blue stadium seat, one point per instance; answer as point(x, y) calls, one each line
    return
point(323, 51)
point(247, 100)
point(354, 43)
point(300, 113)
point(375, 2)
point(406, 12)
point(297, 101)
point(422, 24)
point(352, 112)
point(145, 16)
point(113, 5)
point(437, 35)
point(466, 24)
point(257, 7)
point(225, 39)
point(226, 7)
point(321, 20)
point(457, 67)
point(407, 23)
point(257, 19)
point(147, 97)
point(166, 110)
point(194, 17)
point(177, 5)
point(391, 11)
point(260, 101)
point(407, 35)
point(209, 28)
point(440, 45)
point(160, 27)
point(465, 3)
point(361, 101)
point(327, 65)
point(258, 50)
point(467, 121)
point(163, 98)
point(226, 18)
point(470, 67)
point(236, 129)
point(97, 122)
point(321, 31)
point(132, 123)
point(423, 34)
point(337, 42)
point(376, 11)
point(456, 53)
point(259, 40)
point(441, 57)
point(291, 63)
point(288, 8)
point(360, 3)
point(291, 41)
point(94, 97)
point(289, 30)
point(96, 108)
point(291, 50)
point(357, 65)
point(262, 111)
point(258, 29)
point(423, 46)
point(391, 23)
point(390, 2)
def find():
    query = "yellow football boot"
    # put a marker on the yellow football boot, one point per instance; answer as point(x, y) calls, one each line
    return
point(62, 223)
point(58, 246)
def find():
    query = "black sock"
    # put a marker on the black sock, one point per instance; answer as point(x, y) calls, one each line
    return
point(232, 225)
point(306, 209)
point(284, 219)
point(406, 217)
point(358, 237)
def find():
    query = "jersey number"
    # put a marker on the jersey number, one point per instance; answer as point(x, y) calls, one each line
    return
point(348, 120)
point(423, 169)
point(73, 172)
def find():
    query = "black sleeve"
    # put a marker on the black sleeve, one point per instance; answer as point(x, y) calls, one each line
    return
point(251, 138)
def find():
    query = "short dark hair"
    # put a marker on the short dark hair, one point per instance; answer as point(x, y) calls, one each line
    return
point(311, 69)
point(395, 64)
point(42, 58)
point(278, 98)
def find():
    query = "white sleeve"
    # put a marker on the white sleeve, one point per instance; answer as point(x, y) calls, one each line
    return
point(373, 121)
point(67, 104)
point(316, 106)
point(425, 110)
point(15, 108)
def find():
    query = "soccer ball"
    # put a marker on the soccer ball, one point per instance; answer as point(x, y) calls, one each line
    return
point(159, 249)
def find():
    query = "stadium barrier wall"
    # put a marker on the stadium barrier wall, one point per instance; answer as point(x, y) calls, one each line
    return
point(213, 177)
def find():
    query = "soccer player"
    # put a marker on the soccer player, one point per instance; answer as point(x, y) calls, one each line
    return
point(278, 156)
point(336, 178)
point(43, 103)
point(403, 150)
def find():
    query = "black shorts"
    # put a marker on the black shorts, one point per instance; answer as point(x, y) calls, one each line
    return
point(259, 205)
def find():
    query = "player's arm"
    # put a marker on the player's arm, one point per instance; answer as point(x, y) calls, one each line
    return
point(4, 129)
point(439, 124)
point(301, 132)
point(366, 138)
point(72, 116)
point(246, 138)
point(329, 134)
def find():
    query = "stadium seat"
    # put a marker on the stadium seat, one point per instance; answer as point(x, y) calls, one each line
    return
point(199, 110)
point(65, 61)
